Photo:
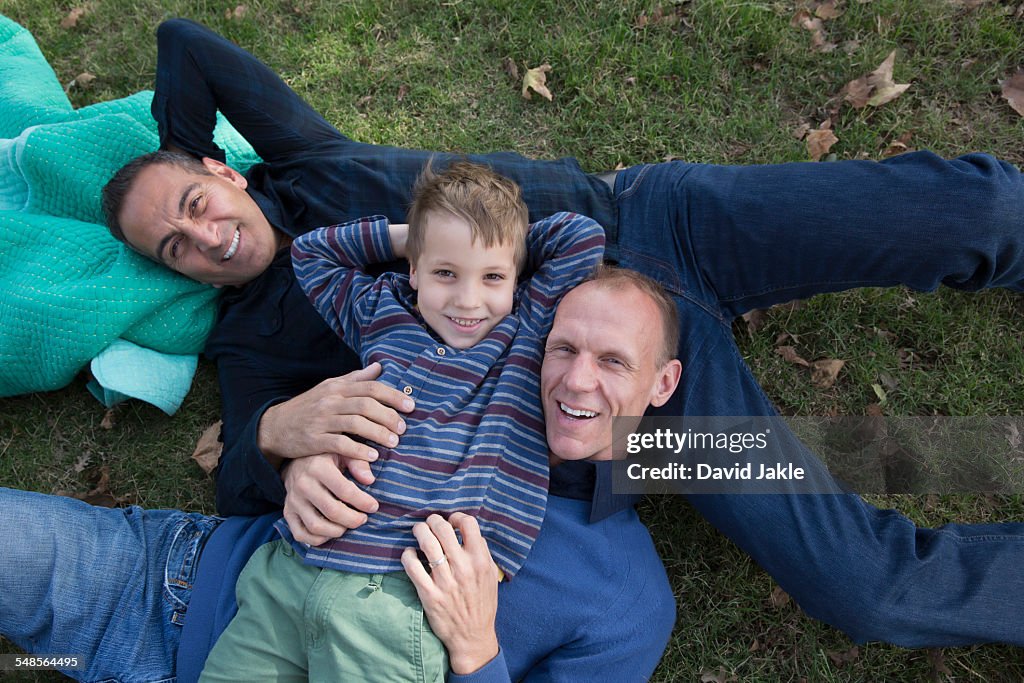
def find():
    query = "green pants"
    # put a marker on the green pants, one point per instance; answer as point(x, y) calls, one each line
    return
point(296, 623)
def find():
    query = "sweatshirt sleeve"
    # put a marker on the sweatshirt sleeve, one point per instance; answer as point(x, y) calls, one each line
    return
point(330, 265)
point(562, 250)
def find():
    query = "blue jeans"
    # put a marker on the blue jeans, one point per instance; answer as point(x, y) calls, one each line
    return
point(108, 585)
point(724, 240)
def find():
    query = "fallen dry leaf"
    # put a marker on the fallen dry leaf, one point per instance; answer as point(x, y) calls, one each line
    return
point(719, 676)
point(779, 598)
point(755, 319)
point(237, 13)
point(209, 447)
point(825, 372)
point(71, 20)
point(403, 90)
point(875, 89)
point(100, 494)
point(885, 89)
point(819, 41)
point(857, 92)
point(536, 80)
point(660, 15)
point(898, 146)
point(839, 658)
point(819, 142)
point(1013, 91)
point(509, 65)
point(363, 101)
point(873, 410)
point(82, 80)
point(790, 355)
point(1013, 436)
point(937, 661)
point(801, 131)
point(828, 10)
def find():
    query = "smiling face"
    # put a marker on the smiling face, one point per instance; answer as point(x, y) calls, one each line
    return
point(205, 227)
point(463, 288)
point(601, 362)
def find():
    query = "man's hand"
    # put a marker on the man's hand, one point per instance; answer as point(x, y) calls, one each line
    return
point(321, 502)
point(323, 419)
point(460, 594)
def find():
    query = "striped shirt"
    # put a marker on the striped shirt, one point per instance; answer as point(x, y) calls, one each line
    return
point(475, 441)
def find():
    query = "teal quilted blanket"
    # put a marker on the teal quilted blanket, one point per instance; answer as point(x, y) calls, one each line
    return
point(67, 289)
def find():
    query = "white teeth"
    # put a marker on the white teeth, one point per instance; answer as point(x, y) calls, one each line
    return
point(234, 246)
point(576, 413)
point(465, 322)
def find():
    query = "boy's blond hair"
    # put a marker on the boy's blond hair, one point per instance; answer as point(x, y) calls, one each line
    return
point(491, 204)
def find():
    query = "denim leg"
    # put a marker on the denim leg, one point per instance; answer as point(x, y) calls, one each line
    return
point(870, 572)
point(108, 585)
point(742, 237)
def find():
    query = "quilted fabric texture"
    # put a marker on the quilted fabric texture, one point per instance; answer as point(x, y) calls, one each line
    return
point(67, 289)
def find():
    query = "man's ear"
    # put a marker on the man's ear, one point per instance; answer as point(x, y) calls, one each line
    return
point(666, 382)
point(224, 171)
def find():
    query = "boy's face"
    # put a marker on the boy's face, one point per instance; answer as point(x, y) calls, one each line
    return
point(463, 288)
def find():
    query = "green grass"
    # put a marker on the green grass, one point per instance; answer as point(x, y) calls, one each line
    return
point(726, 83)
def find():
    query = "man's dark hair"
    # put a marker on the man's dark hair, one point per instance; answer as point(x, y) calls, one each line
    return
point(118, 187)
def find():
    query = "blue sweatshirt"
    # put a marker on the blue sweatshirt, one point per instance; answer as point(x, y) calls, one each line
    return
point(591, 603)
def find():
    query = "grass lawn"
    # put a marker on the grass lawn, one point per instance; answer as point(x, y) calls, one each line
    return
point(719, 81)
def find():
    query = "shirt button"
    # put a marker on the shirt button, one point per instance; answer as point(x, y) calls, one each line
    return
point(407, 390)
point(440, 350)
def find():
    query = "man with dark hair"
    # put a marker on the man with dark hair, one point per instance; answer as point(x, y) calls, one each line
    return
point(721, 239)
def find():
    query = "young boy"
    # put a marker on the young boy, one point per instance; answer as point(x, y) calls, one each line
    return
point(464, 339)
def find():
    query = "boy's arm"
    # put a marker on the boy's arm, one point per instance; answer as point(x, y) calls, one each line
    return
point(562, 250)
point(330, 266)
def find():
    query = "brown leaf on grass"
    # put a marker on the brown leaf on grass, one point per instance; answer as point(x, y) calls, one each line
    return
point(800, 132)
point(828, 10)
point(1013, 436)
point(209, 447)
point(536, 80)
point(825, 372)
point(819, 142)
point(873, 410)
point(819, 42)
point(899, 145)
point(937, 662)
point(100, 493)
point(81, 463)
point(885, 89)
point(108, 419)
point(857, 92)
point(875, 89)
point(71, 20)
point(755, 319)
point(1013, 91)
point(843, 657)
point(82, 80)
point(719, 676)
point(509, 66)
point(403, 90)
point(364, 101)
point(779, 598)
point(237, 13)
point(790, 355)
point(660, 15)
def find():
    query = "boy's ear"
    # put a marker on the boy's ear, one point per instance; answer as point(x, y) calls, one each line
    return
point(412, 276)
